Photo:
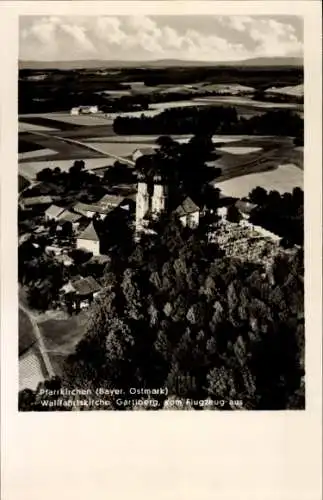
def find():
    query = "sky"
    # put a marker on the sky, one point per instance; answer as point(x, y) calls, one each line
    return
point(132, 38)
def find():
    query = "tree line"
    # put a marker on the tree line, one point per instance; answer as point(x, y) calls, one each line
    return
point(211, 120)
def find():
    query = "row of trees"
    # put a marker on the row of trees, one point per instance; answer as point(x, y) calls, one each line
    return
point(280, 214)
point(212, 120)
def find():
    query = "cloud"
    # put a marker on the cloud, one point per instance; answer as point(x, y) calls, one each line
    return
point(275, 38)
point(79, 37)
point(144, 37)
point(238, 23)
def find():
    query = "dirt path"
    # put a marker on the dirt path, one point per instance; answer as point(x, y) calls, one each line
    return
point(40, 342)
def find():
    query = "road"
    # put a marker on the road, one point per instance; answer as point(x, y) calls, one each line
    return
point(40, 342)
point(89, 147)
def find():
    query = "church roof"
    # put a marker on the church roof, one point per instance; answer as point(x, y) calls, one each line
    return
point(186, 207)
point(89, 233)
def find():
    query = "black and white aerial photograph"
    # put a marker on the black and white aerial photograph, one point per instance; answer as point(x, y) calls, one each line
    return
point(161, 213)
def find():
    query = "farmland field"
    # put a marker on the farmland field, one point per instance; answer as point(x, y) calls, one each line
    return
point(62, 150)
point(30, 127)
point(44, 121)
point(141, 139)
point(36, 154)
point(25, 146)
point(242, 101)
point(239, 150)
point(283, 179)
point(120, 149)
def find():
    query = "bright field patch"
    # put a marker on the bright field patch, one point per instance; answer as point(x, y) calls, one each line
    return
point(36, 154)
point(283, 179)
point(119, 149)
point(239, 150)
point(30, 127)
point(81, 120)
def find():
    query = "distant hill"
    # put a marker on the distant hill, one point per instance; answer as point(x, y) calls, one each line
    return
point(162, 63)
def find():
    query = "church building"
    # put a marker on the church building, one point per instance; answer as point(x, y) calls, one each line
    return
point(151, 202)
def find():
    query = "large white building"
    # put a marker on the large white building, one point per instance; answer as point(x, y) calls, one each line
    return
point(86, 110)
point(89, 240)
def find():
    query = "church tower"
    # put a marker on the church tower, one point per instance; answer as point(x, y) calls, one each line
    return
point(142, 201)
point(158, 202)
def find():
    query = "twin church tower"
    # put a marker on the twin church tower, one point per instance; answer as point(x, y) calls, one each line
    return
point(149, 205)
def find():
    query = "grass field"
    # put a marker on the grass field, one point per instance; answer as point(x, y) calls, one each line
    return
point(61, 335)
point(40, 153)
point(282, 179)
point(269, 158)
point(63, 151)
point(141, 139)
point(46, 121)
point(26, 332)
point(120, 149)
point(25, 146)
point(30, 127)
point(245, 101)
point(239, 150)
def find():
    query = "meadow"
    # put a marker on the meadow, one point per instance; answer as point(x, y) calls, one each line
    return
point(282, 179)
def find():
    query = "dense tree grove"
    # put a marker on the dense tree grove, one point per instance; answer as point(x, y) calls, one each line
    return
point(281, 214)
point(178, 314)
point(212, 120)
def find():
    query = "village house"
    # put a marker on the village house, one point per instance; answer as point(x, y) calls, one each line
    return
point(35, 201)
point(110, 201)
point(67, 216)
point(89, 240)
point(53, 250)
point(85, 110)
point(78, 294)
point(188, 213)
point(64, 259)
point(244, 207)
point(90, 210)
point(53, 212)
point(138, 153)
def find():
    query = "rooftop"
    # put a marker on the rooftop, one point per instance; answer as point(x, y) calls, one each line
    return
point(145, 151)
point(89, 233)
point(86, 286)
point(186, 207)
point(110, 200)
point(54, 211)
point(67, 216)
point(245, 206)
point(95, 208)
point(38, 200)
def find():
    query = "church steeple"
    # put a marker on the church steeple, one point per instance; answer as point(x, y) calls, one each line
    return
point(142, 201)
point(158, 204)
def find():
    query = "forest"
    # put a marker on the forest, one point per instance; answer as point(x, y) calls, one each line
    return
point(62, 89)
point(175, 308)
point(212, 120)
